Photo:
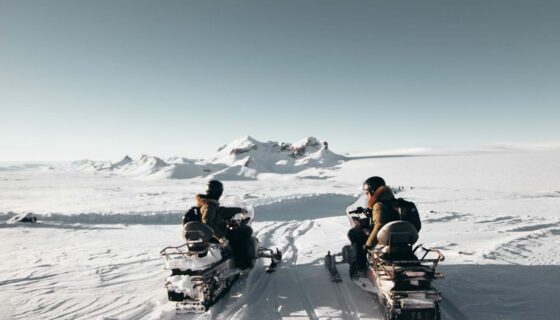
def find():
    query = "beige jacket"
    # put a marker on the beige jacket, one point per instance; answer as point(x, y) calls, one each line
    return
point(209, 210)
point(382, 212)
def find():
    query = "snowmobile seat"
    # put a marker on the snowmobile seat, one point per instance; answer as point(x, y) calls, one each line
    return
point(197, 236)
point(396, 239)
point(397, 233)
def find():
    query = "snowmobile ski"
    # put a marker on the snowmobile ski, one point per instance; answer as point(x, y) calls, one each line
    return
point(330, 264)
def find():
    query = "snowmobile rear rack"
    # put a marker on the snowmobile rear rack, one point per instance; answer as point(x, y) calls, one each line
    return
point(177, 250)
point(440, 255)
point(182, 250)
point(423, 264)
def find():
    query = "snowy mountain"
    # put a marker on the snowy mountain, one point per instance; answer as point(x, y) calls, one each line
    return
point(146, 165)
point(242, 159)
point(87, 165)
point(246, 157)
point(126, 160)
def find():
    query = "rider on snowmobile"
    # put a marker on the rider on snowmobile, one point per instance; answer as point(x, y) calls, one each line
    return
point(211, 213)
point(378, 196)
point(216, 217)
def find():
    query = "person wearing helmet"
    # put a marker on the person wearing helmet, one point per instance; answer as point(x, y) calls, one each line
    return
point(210, 209)
point(378, 196)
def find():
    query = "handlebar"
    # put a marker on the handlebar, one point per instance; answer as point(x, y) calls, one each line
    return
point(360, 210)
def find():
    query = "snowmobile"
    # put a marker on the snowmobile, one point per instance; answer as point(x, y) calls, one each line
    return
point(399, 274)
point(202, 270)
point(23, 218)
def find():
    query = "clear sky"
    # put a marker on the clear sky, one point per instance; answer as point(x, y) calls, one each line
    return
point(100, 79)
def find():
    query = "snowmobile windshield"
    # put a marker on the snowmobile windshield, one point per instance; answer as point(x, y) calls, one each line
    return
point(356, 212)
point(362, 201)
point(235, 201)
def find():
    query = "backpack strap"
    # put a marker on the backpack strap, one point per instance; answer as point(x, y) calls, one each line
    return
point(399, 211)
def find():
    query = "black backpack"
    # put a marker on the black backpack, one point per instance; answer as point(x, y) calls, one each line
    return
point(408, 212)
point(193, 214)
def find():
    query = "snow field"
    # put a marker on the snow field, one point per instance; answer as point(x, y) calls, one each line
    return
point(95, 254)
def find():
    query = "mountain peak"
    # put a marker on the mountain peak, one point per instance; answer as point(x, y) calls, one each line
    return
point(124, 161)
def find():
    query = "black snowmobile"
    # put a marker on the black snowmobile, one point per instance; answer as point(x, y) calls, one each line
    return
point(397, 272)
point(202, 270)
point(23, 218)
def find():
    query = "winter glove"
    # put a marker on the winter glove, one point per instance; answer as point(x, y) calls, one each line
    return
point(367, 247)
point(221, 240)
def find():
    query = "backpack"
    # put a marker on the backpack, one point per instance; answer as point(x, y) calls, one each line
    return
point(193, 214)
point(408, 212)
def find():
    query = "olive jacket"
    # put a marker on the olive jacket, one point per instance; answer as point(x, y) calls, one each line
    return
point(215, 216)
point(382, 212)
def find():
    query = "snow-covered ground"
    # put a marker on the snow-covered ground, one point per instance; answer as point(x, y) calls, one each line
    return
point(95, 253)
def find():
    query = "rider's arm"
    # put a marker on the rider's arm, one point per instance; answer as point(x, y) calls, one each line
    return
point(208, 215)
point(377, 224)
point(229, 212)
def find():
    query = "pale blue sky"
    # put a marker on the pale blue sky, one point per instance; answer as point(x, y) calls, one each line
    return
point(101, 79)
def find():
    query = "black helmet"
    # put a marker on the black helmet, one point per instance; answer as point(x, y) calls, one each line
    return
point(372, 183)
point(214, 189)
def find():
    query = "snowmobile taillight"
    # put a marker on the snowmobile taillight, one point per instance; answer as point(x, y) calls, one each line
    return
point(416, 303)
point(413, 274)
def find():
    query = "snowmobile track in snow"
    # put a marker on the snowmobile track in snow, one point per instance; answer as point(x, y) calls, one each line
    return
point(346, 302)
point(292, 269)
point(452, 310)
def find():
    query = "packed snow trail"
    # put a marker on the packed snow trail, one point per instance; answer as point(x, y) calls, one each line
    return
point(294, 290)
point(62, 271)
point(97, 273)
